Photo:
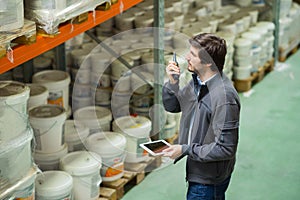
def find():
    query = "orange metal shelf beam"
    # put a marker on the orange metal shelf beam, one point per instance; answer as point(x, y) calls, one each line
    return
point(24, 53)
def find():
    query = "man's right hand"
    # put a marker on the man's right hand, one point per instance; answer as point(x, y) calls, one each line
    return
point(172, 69)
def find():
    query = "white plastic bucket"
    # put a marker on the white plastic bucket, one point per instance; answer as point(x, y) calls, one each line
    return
point(242, 61)
point(50, 161)
point(141, 84)
point(243, 3)
point(137, 131)
point(141, 101)
point(141, 111)
point(47, 122)
point(104, 104)
point(254, 37)
point(57, 82)
point(15, 157)
point(121, 84)
point(41, 64)
point(243, 46)
point(27, 190)
point(255, 55)
point(75, 135)
point(84, 167)
point(119, 99)
point(270, 26)
point(81, 90)
point(111, 147)
point(96, 118)
point(54, 185)
point(80, 59)
point(242, 73)
point(13, 109)
point(81, 102)
point(102, 94)
point(38, 95)
point(81, 75)
point(100, 80)
point(118, 69)
point(100, 62)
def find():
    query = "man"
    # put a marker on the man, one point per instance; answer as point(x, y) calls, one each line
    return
point(209, 122)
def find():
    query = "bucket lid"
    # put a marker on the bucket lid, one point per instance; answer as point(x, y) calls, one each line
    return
point(266, 24)
point(90, 114)
point(106, 142)
point(51, 76)
point(138, 126)
point(41, 62)
point(74, 131)
point(47, 111)
point(252, 36)
point(36, 90)
point(51, 156)
point(242, 42)
point(53, 183)
point(81, 163)
point(13, 92)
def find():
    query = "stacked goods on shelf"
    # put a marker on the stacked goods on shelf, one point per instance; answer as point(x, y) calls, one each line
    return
point(49, 14)
point(25, 34)
point(16, 167)
point(289, 28)
point(11, 15)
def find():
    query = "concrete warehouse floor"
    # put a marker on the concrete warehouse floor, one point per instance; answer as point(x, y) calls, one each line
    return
point(268, 157)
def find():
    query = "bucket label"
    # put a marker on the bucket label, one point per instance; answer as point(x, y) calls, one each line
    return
point(56, 98)
point(112, 166)
point(140, 152)
point(114, 170)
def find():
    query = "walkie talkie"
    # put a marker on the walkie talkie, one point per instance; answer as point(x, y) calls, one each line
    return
point(175, 76)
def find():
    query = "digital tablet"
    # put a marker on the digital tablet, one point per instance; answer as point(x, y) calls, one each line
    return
point(155, 148)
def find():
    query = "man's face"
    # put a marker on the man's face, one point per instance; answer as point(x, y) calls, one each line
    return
point(193, 60)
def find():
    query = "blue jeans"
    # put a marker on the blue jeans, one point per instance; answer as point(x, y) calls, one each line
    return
point(198, 191)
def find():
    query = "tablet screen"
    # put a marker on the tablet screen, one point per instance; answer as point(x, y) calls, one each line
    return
point(156, 147)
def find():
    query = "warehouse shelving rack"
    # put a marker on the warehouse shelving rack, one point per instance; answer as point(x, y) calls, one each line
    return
point(24, 53)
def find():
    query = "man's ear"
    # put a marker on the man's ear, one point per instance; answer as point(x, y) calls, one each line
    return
point(208, 65)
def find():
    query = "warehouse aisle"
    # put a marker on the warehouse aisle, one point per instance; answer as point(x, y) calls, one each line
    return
point(268, 160)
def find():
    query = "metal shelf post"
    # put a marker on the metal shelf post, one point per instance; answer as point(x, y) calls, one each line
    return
point(158, 121)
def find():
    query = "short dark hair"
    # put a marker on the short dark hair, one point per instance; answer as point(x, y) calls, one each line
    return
point(212, 49)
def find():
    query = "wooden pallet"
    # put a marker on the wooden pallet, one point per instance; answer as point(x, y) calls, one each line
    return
point(75, 20)
point(104, 6)
point(246, 84)
point(107, 193)
point(25, 35)
point(133, 175)
point(284, 53)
